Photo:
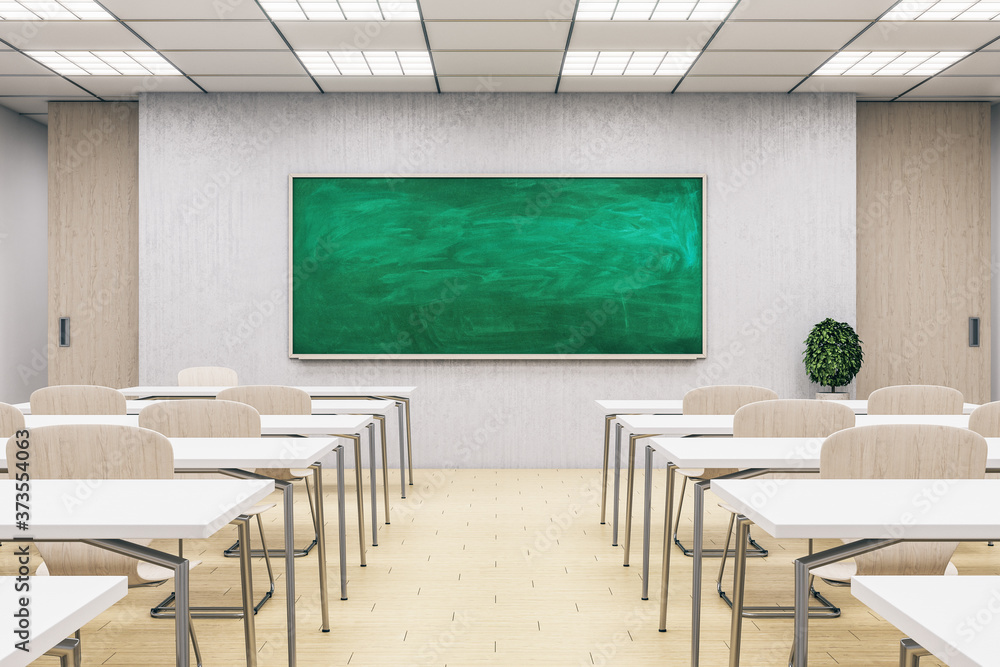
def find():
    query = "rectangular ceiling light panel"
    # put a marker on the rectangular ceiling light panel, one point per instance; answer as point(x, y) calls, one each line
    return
point(51, 10)
point(367, 63)
point(890, 63)
point(943, 10)
point(113, 63)
point(655, 10)
point(342, 10)
point(628, 63)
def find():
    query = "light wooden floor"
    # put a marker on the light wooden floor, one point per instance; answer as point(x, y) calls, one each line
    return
point(498, 567)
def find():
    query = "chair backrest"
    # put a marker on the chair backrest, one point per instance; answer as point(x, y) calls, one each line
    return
point(201, 419)
point(904, 451)
point(11, 420)
point(207, 376)
point(78, 451)
point(985, 420)
point(723, 399)
point(270, 399)
point(792, 418)
point(77, 399)
point(916, 399)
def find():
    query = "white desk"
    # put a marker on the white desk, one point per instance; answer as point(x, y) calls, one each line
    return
point(59, 606)
point(876, 512)
point(646, 426)
point(755, 456)
point(613, 409)
point(944, 615)
point(110, 512)
point(347, 426)
point(401, 396)
point(319, 407)
point(232, 456)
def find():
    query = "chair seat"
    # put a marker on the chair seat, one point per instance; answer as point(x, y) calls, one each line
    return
point(691, 472)
point(844, 570)
point(259, 509)
point(300, 473)
point(729, 508)
point(148, 572)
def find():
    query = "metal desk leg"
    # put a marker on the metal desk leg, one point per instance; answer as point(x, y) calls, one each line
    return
point(342, 521)
point(699, 561)
point(371, 481)
point(632, 438)
point(604, 473)
point(646, 518)
point(910, 653)
point(324, 593)
point(667, 520)
point(385, 466)
point(287, 498)
point(361, 495)
point(739, 579)
point(409, 439)
point(249, 624)
point(401, 418)
point(181, 569)
point(800, 656)
point(618, 478)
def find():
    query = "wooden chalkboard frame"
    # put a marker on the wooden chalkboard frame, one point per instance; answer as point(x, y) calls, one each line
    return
point(542, 356)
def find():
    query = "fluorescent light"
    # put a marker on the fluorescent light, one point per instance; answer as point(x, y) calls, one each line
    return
point(341, 10)
point(109, 63)
point(52, 10)
point(367, 63)
point(653, 10)
point(890, 63)
point(628, 63)
point(945, 10)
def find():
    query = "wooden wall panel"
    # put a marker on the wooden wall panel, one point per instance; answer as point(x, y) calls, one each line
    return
point(923, 245)
point(94, 241)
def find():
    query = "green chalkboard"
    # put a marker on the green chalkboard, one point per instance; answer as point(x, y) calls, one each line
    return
point(522, 266)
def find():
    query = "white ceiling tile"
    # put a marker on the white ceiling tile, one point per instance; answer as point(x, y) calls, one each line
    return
point(4, 47)
point(256, 84)
point(927, 36)
point(493, 9)
point(641, 35)
point(353, 35)
point(12, 62)
point(985, 86)
point(761, 63)
point(867, 86)
point(493, 62)
point(184, 9)
point(984, 63)
point(264, 63)
point(209, 35)
point(37, 85)
point(131, 86)
point(37, 104)
point(796, 10)
point(738, 84)
point(377, 84)
point(497, 35)
point(618, 84)
point(498, 84)
point(785, 35)
point(956, 98)
point(69, 36)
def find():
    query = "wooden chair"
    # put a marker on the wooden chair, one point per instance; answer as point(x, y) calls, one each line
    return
point(209, 419)
point(77, 399)
point(788, 418)
point(207, 376)
point(717, 400)
point(985, 420)
point(901, 451)
point(11, 420)
point(79, 451)
point(276, 400)
point(916, 399)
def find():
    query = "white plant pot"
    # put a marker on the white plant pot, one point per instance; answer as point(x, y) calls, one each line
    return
point(832, 396)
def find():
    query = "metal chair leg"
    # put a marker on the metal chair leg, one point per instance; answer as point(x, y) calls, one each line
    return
point(66, 651)
point(910, 653)
point(826, 609)
point(234, 550)
point(194, 642)
point(756, 551)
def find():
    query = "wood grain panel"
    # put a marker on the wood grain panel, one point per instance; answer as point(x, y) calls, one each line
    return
point(94, 241)
point(923, 245)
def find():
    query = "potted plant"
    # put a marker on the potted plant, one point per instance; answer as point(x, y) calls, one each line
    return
point(833, 356)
